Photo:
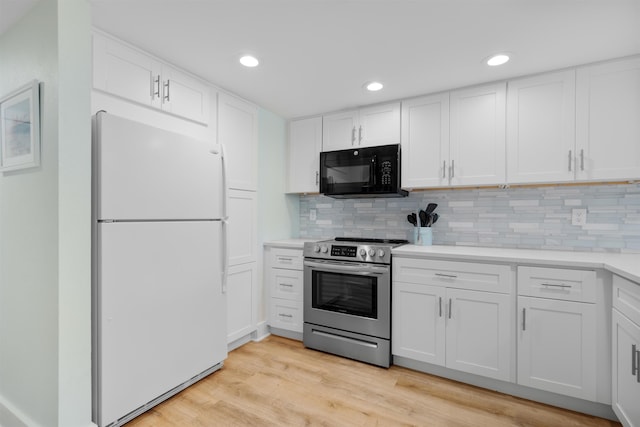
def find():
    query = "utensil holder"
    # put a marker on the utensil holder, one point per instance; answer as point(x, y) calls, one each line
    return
point(423, 236)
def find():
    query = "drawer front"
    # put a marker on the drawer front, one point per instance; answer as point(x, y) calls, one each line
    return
point(453, 274)
point(286, 314)
point(286, 258)
point(286, 284)
point(626, 298)
point(557, 283)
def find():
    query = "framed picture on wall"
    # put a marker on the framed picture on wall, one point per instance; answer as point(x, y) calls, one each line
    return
point(20, 128)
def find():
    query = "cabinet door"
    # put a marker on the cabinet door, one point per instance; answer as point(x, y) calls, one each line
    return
point(607, 127)
point(126, 72)
point(418, 326)
point(339, 131)
point(238, 132)
point(242, 226)
point(557, 346)
point(379, 125)
point(541, 128)
point(479, 327)
point(625, 391)
point(242, 304)
point(305, 144)
point(425, 141)
point(478, 135)
point(184, 95)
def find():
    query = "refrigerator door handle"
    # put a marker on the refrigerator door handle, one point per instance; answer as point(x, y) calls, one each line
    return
point(225, 222)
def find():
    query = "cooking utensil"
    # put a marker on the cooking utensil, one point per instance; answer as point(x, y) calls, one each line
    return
point(424, 218)
point(412, 219)
point(431, 207)
point(434, 218)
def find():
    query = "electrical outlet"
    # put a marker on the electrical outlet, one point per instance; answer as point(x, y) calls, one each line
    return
point(578, 217)
point(312, 214)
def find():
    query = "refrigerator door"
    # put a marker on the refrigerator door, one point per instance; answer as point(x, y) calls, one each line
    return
point(143, 172)
point(161, 312)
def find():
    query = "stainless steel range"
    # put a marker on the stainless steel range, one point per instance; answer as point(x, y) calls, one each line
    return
point(347, 298)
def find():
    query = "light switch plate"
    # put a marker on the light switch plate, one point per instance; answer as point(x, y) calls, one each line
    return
point(312, 214)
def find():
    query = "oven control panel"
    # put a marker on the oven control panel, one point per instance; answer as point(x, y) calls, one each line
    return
point(356, 253)
point(348, 251)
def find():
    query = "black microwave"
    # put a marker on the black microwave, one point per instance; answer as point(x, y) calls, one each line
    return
point(361, 172)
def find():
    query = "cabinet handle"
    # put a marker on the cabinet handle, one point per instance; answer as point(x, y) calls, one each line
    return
point(317, 177)
point(582, 159)
point(524, 319)
point(360, 135)
point(155, 87)
point(285, 315)
point(444, 169)
point(553, 285)
point(638, 366)
point(353, 135)
point(288, 285)
point(569, 160)
point(449, 308)
point(281, 258)
point(634, 360)
point(453, 170)
point(440, 305)
point(450, 276)
point(167, 86)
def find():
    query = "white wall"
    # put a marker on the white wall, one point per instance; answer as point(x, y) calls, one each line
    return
point(45, 355)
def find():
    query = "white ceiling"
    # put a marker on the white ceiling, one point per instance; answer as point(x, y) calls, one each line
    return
point(316, 54)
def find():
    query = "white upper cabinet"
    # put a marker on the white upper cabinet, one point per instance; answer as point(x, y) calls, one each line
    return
point(377, 125)
point(238, 133)
point(129, 73)
point(425, 141)
point(608, 120)
point(541, 128)
point(305, 144)
point(477, 136)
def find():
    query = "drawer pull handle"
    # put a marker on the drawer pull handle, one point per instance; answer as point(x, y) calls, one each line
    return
point(450, 276)
point(449, 308)
point(284, 259)
point(553, 285)
point(288, 285)
point(635, 370)
point(285, 315)
point(524, 319)
point(440, 305)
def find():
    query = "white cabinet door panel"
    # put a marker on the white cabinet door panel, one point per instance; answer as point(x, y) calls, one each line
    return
point(379, 125)
point(479, 333)
point(339, 131)
point(241, 300)
point(185, 96)
point(557, 346)
point(478, 135)
point(305, 144)
point(425, 141)
point(541, 128)
point(242, 223)
point(419, 322)
point(608, 129)
point(625, 392)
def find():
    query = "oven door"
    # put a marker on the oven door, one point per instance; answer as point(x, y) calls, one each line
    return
point(353, 297)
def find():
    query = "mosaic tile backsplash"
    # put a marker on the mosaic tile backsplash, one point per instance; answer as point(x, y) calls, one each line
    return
point(528, 218)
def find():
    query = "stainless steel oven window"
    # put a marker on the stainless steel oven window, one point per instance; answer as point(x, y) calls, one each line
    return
point(344, 293)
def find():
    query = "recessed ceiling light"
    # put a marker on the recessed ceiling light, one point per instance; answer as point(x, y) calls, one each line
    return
point(498, 59)
point(374, 86)
point(249, 61)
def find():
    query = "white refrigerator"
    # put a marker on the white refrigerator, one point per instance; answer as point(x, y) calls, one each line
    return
point(159, 255)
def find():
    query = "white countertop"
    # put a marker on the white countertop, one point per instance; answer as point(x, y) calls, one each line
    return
point(625, 265)
point(289, 243)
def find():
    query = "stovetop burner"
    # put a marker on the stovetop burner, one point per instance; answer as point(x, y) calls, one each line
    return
point(370, 240)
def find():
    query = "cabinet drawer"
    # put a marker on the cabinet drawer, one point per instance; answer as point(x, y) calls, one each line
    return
point(453, 274)
point(286, 284)
point(286, 258)
point(626, 298)
point(557, 283)
point(286, 314)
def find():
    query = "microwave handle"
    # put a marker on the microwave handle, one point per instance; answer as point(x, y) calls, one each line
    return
point(373, 172)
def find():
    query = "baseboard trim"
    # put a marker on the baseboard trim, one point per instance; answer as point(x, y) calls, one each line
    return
point(262, 331)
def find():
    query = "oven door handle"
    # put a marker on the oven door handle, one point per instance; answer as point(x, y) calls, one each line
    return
point(360, 269)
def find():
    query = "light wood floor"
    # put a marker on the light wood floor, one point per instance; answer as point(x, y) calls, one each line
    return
point(277, 382)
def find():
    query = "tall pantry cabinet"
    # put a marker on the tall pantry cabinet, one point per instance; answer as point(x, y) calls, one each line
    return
point(238, 133)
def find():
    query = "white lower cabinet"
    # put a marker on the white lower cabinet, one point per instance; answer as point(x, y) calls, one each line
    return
point(284, 279)
point(436, 320)
point(557, 331)
point(241, 300)
point(625, 390)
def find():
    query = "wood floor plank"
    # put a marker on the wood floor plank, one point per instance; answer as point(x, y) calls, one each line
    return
point(278, 382)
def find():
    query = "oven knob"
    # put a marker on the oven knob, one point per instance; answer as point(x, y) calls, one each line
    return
point(381, 253)
point(324, 249)
point(372, 252)
point(363, 252)
point(316, 248)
